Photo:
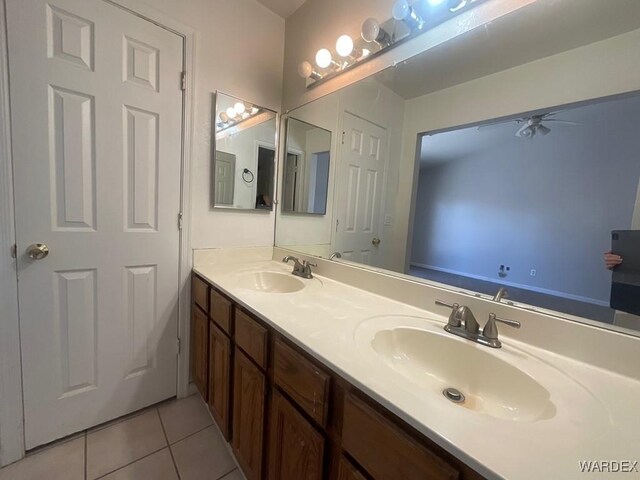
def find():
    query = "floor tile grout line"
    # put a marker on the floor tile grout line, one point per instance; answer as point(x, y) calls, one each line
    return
point(228, 473)
point(191, 435)
point(175, 465)
point(130, 463)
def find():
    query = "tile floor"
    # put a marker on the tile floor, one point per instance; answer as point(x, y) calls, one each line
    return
point(175, 440)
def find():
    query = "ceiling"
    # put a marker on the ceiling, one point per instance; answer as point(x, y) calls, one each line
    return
point(463, 143)
point(541, 29)
point(283, 8)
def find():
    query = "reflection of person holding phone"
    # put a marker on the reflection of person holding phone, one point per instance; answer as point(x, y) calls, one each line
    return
point(611, 260)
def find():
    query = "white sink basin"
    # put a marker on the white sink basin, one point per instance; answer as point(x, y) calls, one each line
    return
point(270, 282)
point(507, 384)
point(490, 385)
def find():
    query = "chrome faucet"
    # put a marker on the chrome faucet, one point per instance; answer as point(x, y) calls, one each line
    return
point(463, 323)
point(335, 255)
point(502, 293)
point(300, 269)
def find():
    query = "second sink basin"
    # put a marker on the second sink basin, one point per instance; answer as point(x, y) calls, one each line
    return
point(270, 282)
point(489, 384)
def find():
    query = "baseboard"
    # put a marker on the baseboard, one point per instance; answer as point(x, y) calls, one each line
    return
point(547, 291)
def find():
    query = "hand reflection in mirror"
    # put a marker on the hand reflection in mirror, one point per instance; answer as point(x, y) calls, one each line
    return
point(611, 260)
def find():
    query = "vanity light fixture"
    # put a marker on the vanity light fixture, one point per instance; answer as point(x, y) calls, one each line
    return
point(373, 32)
point(403, 12)
point(236, 114)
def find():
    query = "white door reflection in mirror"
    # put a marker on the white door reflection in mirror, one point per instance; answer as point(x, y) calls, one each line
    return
point(306, 168)
point(225, 178)
point(363, 157)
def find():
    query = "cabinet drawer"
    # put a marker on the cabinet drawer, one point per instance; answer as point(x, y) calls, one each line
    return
point(384, 450)
point(252, 338)
point(305, 383)
point(220, 310)
point(199, 292)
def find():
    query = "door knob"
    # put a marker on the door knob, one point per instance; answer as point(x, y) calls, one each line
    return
point(375, 241)
point(37, 251)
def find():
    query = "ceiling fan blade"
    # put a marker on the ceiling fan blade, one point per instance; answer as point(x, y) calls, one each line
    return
point(494, 125)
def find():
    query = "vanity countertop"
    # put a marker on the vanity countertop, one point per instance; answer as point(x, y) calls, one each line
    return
point(327, 318)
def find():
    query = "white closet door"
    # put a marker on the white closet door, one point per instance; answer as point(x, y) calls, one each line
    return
point(362, 168)
point(96, 117)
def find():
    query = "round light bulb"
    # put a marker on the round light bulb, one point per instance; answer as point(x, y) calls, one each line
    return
point(224, 117)
point(231, 112)
point(401, 10)
point(323, 58)
point(344, 46)
point(370, 30)
point(305, 69)
point(239, 108)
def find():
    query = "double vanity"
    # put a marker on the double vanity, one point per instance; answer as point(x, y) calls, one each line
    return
point(313, 378)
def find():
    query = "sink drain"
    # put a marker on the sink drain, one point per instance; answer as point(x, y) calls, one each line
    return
point(453, 394)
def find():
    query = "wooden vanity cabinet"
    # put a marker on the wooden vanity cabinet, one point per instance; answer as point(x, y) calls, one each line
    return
point(220, 378)
point(249, 407)
point(296, 448)
point(289, 417)
point(200, 349)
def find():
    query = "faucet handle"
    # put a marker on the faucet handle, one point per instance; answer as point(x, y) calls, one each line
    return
point(308, 264)
point(454, 318)
point(490, 330)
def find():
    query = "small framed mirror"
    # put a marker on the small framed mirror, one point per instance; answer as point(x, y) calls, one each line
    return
point(244, 160)
point(305, 176)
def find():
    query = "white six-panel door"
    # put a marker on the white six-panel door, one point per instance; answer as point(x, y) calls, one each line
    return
point(360, 185)
point(96, 108)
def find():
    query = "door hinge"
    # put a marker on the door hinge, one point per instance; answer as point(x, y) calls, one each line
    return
point(179, 220)
point(183, 81)
point(343, 135)
point(178, 345)
point(14, 251)
point(337, 223)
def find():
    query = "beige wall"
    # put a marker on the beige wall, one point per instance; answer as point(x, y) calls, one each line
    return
point(239, 50)
point(601, 69)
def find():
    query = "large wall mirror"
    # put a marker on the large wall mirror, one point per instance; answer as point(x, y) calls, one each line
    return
point(511, 168)
point(306, 168)
point(244, 162)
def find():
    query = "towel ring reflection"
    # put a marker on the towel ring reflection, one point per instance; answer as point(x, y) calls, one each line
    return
point(247, 175)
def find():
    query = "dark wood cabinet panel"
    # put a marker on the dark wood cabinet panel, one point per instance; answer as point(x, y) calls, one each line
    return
point(219, 377)
point(249, 390)
point(221, 310)
point(296, 448)
point(384, 450)
point(346, 470)
point(302, 380)
point(251, 337)
point(199, 293)
point(199, 349)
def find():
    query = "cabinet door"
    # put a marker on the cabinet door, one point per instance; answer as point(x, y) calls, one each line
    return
point(346, 471)
point(249, 386)
point(296, 447)
point(219, 377)
point(199, 349)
